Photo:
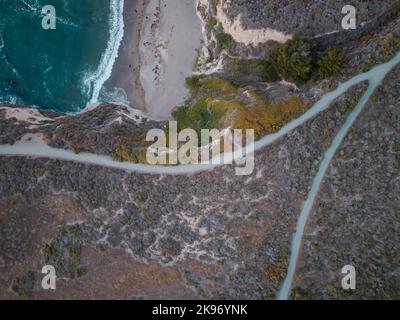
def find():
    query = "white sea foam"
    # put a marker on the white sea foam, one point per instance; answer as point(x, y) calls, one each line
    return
point(10, 99)
point(12, 68)
point(116, 96)
point(32, 6)
point(95, 81)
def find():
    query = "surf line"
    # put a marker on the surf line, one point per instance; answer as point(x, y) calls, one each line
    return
point(374, 82)
point(94, 82)
point(42, 150)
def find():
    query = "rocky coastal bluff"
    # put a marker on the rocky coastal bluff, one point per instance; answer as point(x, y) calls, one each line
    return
point(214, 235)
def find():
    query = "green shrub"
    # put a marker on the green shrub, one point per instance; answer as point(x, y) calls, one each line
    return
point(213, 22)
point(220, 104)
point(193, 82)
point(197, 117)
point(252, 70)
point(270, 73)
point(389, 46)
point(224, 40)
point(331, 63)
point(294, 60)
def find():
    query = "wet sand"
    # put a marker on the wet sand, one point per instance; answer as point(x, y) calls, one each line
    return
point(126, 70)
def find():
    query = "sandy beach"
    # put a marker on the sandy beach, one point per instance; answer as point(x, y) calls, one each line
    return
point(156, 55)
point(171, 36)
point(126, 69)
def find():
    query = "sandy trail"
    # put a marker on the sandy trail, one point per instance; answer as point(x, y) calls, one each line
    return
point(42, 150)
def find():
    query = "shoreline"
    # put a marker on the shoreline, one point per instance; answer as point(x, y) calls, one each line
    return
point(126, 69)
point(96, 81)
point(157, 53)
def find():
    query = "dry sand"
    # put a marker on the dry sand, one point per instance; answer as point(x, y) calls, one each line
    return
point(157, 53)
point(247, 36)
point(171, 33)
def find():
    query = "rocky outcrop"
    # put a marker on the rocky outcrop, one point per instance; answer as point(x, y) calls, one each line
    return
point(312, 19)
point(113, 130)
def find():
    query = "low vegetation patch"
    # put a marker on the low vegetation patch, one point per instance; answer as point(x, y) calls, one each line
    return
point(390, 45)
point(193, 82)
point(24, 285)
point(244, 71)
point(64, 252)
point(126, 150)
point(218, 103)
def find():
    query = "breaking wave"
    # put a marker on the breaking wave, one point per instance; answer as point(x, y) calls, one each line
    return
point(95, 81)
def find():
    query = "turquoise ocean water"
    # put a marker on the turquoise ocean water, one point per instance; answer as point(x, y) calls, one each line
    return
point(61, 69)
